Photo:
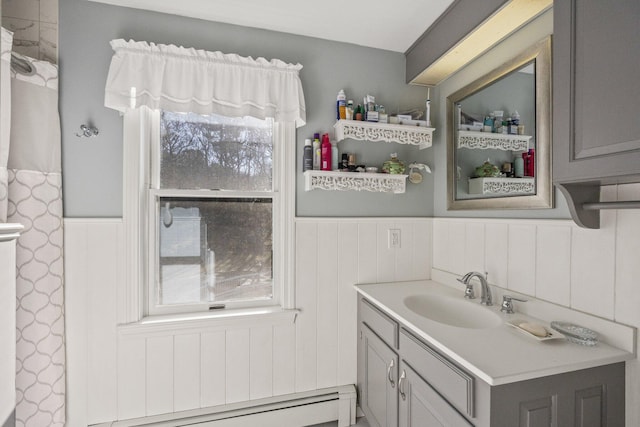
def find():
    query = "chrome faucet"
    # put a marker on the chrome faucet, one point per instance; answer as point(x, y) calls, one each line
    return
point(485, 297)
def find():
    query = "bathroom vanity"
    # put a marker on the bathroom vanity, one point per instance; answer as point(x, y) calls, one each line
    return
point(416, 371)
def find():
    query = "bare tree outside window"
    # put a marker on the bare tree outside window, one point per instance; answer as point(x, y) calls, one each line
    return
point(215, 152)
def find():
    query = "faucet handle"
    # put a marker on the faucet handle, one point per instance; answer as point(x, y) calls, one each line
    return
point(507, 303)
point(468, 290)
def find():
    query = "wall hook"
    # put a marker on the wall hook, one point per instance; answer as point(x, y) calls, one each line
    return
point(415, 177)
point(87, 132)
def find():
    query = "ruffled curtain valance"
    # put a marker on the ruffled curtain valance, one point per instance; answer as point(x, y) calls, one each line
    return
point(185, 80)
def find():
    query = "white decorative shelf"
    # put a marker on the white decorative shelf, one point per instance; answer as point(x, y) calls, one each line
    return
point(495, 141)
point(358, 181)
point(371, 131)
point(498, 185)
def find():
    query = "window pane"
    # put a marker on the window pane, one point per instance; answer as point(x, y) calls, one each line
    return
point(215, 152)
point(214, 250)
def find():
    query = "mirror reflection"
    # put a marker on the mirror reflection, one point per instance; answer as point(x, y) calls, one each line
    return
point(498, 136)
point(495, 138)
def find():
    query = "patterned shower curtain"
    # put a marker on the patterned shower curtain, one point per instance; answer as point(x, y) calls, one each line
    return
point(35, 200)
point(6, 42)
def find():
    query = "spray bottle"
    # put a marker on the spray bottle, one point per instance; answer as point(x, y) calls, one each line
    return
point(307, 156)
point(326, 153)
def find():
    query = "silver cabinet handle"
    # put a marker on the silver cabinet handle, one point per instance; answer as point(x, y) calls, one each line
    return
point(393, 383)
point(400, 388)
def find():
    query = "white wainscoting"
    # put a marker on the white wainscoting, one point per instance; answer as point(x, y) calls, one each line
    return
point(592, 271)
point(116, 374)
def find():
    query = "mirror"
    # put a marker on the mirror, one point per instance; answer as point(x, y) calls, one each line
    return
point(499, 136)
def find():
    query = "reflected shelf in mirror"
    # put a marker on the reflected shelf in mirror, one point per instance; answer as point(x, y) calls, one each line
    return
point(494, 141)
point(502, 186)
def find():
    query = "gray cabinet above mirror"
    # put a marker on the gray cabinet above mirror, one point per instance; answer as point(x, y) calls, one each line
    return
point(596, 103)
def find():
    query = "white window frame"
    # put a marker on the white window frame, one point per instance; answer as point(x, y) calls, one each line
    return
point(141, 126)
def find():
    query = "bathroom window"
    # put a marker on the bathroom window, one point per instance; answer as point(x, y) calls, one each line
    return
point(214, 204)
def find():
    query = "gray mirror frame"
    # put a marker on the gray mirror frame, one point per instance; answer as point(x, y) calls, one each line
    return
point(543, 199)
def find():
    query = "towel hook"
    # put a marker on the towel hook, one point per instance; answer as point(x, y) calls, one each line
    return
point(87, 131)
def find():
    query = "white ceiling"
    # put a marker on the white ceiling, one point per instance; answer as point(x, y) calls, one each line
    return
point(383, 24)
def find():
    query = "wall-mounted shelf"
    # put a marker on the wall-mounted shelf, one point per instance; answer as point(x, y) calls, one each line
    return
point(504, 186)
point(493, 141)
point(370, 131)
point(358, 181)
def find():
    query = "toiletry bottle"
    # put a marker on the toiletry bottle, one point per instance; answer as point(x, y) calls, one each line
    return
point(351, 163)
point(316, 151)
point(382, 115)
point(488, 124)
point(515, 118)
point(326, 153)
point(344, 163)
point(341, 105)
point(349, 111)
point(307, 156)
point(515, 121)
point(334, 156)
point(525, 161)
point(532, 162)
point(518, 166)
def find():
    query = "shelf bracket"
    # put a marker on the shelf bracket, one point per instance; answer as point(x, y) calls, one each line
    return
point(577, 196)
point(585, 205)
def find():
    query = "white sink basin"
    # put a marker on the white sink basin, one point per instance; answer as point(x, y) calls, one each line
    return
point(453, 312)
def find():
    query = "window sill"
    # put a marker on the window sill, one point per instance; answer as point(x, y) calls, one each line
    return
point(193, 322)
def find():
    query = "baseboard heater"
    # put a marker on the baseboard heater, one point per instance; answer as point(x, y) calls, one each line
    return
point(292, 410)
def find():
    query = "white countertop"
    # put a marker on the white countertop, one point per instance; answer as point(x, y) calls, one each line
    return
point(498, 355)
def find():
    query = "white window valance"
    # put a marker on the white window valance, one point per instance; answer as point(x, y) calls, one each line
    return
point(179, 79)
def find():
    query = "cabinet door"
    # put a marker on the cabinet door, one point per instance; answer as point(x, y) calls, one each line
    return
point(596, 91)
point(378, 394)
point(421, 406)
point(587, 398)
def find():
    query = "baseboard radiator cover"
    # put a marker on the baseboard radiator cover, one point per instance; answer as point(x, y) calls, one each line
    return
point(292, 410)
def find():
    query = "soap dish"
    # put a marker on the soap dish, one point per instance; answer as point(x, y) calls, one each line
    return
point(551, 335)
point(576, 334)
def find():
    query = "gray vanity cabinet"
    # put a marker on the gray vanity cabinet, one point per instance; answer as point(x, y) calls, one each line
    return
point(391, 392)
point(596, 98)
point(378, 395)
point(403, 381)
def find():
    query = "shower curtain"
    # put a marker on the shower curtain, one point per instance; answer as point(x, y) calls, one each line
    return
point(35, 200)
point(6, 41)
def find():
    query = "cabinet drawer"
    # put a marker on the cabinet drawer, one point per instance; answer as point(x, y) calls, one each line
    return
point(446, 378)
point(384, 326)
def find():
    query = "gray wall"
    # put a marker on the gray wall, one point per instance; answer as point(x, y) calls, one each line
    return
point(503, 52)
point(93, 167)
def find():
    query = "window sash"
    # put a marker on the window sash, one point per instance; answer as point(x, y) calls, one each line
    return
point(138, 129)
point(154, 193)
